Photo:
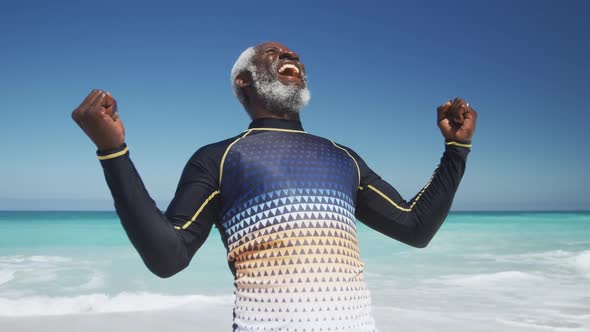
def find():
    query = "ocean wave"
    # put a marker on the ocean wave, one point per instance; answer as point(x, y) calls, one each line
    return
point(103, 303)
point(550, 255)
point(39, 269)
point(581, 262)
point(542, 323)
point(555, 263)
point(6, 276)
point(578, 242)
point(487, 279)
point(17, 259)
point(49, 259)
point(96, 281)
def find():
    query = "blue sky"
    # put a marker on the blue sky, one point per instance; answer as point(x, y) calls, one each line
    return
point(377, 71)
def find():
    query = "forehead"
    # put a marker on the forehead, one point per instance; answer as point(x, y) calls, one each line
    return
point(267, 45)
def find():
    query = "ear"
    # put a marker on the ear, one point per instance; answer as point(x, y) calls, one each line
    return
point(243, 80)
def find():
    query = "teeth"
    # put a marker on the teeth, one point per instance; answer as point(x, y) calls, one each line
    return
point(287, 66)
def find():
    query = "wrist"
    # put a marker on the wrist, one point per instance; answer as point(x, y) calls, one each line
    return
point(459, 143)
point(457, 148)
point(110, 153)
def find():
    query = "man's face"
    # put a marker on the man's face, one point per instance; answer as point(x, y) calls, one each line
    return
point(280, 62)
point(279, 78)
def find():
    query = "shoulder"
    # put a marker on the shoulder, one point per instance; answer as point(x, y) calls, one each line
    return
point(365, 171)
point(205, 162)
point(348, 150)
point(213, 152)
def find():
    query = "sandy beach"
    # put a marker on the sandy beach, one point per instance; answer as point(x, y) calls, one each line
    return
point(218, 318)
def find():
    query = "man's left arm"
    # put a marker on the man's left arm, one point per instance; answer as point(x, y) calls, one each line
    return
point(415, 222)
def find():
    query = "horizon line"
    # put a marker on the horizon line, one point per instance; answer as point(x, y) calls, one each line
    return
point(451, 211)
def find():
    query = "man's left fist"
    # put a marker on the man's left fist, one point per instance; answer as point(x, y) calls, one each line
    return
point(98, 118)
point(456, 120)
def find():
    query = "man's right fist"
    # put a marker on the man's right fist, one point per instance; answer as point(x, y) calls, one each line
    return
point(456, 120)
point(98, 118)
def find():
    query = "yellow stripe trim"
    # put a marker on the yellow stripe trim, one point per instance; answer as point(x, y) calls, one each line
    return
point(358, 169)
point(279, 129)
point(225, 154)
point(388, 199)
point(459, 144)
point(114, 155)
point(413, 203)
point(188, 223)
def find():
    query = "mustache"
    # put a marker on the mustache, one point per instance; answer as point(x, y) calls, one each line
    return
point(278, 97)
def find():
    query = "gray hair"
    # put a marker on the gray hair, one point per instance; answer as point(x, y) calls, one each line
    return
point(242, 64)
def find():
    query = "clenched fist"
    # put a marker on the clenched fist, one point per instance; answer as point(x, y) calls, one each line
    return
point(456, 120)
point(98, 118)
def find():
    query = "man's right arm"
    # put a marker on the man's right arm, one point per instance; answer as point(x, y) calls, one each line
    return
point(166, 242)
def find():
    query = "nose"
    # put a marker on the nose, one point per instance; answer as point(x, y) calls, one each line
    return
point(290, 55)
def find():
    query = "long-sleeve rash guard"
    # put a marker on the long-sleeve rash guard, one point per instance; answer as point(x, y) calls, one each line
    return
point(285, 203)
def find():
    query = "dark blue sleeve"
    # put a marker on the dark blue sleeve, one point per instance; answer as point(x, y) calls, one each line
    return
point(414, 222)
point(165, 241)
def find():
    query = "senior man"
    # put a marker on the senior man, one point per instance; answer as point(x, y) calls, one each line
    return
point(283, 200)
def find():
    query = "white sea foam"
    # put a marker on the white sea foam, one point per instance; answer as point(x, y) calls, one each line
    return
point(528, 257)
point(102, 303)
point(553, 262)
point(96, 281)
point(38, 269)
point(546, 324)
point(49, 259)
point(488, 279)
point(6, 276)
point(581, 262)
point(16, 259)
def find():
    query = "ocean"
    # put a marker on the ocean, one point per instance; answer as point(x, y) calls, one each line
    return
point(483, 271)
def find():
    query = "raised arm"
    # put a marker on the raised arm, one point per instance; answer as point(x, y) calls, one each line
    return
point(165, 242)
point(415, 222)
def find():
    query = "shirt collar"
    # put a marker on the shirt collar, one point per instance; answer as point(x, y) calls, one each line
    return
point(276, 123)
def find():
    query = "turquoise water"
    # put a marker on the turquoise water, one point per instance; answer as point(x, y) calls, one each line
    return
point(524, 270)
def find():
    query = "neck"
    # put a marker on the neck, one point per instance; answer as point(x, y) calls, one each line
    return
point(263, 113)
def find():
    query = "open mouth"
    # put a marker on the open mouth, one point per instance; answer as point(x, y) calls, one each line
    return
point(289, 69)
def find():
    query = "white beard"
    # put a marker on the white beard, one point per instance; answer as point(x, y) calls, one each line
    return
point(278, 97)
